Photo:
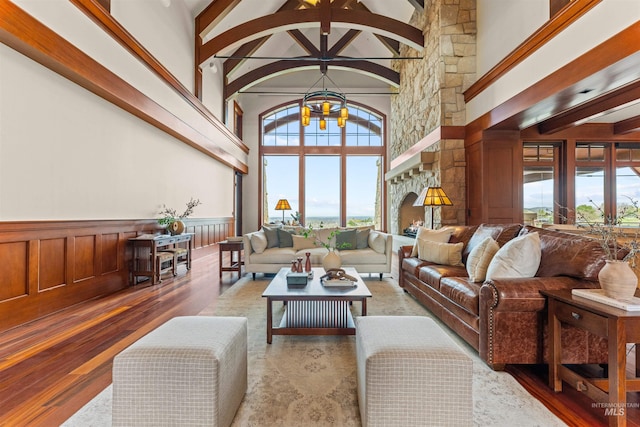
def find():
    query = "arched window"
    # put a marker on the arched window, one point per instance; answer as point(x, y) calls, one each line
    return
point(330, 177)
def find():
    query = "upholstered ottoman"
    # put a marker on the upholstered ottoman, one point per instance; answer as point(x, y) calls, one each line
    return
point(190, 371)
point(410, 373)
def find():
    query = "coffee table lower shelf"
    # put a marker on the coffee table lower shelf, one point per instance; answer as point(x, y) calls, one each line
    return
point(316, 318)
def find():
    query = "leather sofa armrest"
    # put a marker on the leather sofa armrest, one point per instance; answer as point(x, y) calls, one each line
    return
point(405, 251)
point(523, 294)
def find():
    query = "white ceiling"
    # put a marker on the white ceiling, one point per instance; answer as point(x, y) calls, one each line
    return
point(366, 45)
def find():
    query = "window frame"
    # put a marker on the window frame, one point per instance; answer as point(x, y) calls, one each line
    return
point(343, 150)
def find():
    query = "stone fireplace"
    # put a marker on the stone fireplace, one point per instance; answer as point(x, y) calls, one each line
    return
point(428, 115)
point(410, 216)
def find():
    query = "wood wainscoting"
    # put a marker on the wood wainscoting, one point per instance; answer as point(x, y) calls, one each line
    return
point(50, 265)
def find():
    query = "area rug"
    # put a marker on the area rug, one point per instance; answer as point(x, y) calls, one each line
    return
point(311, 381)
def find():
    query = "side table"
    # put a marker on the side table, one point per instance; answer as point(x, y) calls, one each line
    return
point(618, 326)
point(235, 256)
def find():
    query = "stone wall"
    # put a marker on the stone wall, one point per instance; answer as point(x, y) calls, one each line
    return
point(431, 96)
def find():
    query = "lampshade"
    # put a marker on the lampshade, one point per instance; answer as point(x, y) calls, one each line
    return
point(436, 196)
point(326, 108)
point(283, 205)
point(433, 196)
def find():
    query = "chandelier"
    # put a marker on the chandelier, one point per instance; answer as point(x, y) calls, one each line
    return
point(324, 104)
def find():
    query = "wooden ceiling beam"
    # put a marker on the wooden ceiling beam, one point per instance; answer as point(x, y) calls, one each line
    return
point(213, 14)
point(341, 44)
point(325, 17)
point(232, 64)
point(629, 125)
point(391, 44)
point(598, 106)
point(324, 47)
point(304, 42)
point(289, 19)
point(247, 49)
point(282, 67)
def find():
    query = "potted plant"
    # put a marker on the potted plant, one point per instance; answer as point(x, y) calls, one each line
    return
point(332, 258)
point(617, 278)
point(170, 219)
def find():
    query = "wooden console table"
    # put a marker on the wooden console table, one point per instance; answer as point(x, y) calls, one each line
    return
point(145, 249)
point(618, 326)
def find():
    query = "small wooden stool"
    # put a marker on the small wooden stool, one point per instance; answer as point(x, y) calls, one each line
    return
point(161, 258)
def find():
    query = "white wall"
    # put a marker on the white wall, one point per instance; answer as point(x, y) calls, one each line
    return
point(68, 154)
point(147, 19)
point(252, 106)
point(599, 24)
point(503, 25)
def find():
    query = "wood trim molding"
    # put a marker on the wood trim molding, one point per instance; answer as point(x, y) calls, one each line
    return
point(102, 17)
point(62, 263)
point(621, 50)
point(548, 31)
point(26, 35)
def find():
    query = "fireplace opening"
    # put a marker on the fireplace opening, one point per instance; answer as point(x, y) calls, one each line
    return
point(410, 217)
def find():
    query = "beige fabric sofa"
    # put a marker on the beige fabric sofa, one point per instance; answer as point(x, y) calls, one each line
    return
point(371, 252)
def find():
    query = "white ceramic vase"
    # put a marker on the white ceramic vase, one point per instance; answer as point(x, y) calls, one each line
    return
point(331, 260)
point(618, 280)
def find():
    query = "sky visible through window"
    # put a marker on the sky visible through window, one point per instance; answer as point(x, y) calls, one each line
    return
point(322, 172)
point(539, 194)
point(323, 186)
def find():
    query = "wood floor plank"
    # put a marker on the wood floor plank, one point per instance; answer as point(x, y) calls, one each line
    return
point(52, 367)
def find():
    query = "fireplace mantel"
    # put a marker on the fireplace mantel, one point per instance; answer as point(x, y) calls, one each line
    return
point(417, 164)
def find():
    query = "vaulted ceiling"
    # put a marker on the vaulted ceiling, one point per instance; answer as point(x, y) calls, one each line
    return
point(280, 45)
point(261, 44)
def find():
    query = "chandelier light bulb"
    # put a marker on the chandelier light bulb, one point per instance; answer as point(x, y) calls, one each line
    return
point(323, 124)
point(305, 111)
point(326, 108)
point(306, 120)
point(341, 122)
point(344, 113)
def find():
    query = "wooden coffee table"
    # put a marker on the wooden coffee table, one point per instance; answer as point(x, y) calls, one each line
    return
point(314, 309)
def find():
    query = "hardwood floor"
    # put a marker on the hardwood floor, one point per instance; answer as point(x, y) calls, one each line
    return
point(52, 367)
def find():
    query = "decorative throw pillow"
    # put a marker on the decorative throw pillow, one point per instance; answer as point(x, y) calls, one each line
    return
point(362, 238)
point(441, 236)
point(301, 242)
point(440, 253)
point(326, 235)
point(272, 237)
point(346, 240)
point(519, 257)
point(377, 242)
point(284, 238)
point(479, 259)
point(258, 241)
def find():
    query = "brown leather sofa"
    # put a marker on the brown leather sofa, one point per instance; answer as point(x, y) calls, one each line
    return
point(505, 320)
